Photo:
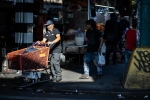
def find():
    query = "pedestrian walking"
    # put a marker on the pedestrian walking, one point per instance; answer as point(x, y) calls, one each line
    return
point(94, 43)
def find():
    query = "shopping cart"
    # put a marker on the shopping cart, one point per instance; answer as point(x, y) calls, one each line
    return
point(33, 64)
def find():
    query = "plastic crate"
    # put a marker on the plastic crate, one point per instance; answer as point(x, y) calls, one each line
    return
point(37, 59)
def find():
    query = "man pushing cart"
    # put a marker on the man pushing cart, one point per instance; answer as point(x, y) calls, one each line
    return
point(52, 37)
point(39, 57)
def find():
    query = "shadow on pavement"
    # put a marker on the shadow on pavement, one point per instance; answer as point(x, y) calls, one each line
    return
point(70, 79)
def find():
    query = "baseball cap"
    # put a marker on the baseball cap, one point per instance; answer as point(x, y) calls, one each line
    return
point(49, 22)
point(102, 24)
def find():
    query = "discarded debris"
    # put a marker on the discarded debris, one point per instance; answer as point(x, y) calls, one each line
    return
point(20, 88)
point(120, 96)
point(29, 89)
point(146, 96)
point(76, 90)
point(3, 84)
point(2, 74)
point(39, 90)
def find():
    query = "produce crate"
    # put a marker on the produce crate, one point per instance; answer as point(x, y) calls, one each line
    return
point(37, 59)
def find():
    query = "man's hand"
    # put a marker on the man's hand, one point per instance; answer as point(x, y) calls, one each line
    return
point(40, 42)
point(37, 42)
point(49, 43)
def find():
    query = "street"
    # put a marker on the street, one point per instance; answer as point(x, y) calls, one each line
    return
point(32, 95)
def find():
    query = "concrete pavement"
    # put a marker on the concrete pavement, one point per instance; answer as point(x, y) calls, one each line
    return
point(110, 81)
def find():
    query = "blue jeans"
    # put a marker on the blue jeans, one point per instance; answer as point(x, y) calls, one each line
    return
point(87, 59)
point(127, 58)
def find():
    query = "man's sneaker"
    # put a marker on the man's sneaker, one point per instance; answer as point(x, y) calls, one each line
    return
point(98, 76)
point(58, 79)
point(84, 76)
point(53, 79)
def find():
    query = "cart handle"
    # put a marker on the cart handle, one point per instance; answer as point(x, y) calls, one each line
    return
point(39, 44)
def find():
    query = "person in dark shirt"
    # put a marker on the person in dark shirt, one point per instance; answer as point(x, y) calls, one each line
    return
point(52, 37)
point(111, 26)
point(94, 43)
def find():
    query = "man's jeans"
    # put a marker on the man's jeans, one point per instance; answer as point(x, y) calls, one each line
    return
point(127, 58)
point(87, 59)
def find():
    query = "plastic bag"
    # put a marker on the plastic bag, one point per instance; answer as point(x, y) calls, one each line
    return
point(103, 49)
point(101, 60)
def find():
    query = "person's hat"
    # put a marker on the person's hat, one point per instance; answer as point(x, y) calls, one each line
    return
point(49, 22)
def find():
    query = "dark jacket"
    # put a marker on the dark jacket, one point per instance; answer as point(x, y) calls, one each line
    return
point(123, 24)
point(111, 26)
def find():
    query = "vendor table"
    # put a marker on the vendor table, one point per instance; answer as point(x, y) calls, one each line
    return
point(78, 46)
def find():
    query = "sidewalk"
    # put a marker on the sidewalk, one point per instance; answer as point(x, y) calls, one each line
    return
point(109, 80)
point(70, 79)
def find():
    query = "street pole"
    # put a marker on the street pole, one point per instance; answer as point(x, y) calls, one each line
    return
point(89, 9)
point(143, 31)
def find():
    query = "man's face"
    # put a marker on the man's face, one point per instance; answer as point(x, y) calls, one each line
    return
point(98, 26)
point(102, 28)
point(50, 27)
point(89, 26)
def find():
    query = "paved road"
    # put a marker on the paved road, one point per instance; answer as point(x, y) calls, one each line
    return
point(31, 95)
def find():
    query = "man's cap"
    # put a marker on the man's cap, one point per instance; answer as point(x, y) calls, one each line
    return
point(102, 24)
point(49, 22)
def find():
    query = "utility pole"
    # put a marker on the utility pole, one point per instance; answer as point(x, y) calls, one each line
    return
point(89, 9)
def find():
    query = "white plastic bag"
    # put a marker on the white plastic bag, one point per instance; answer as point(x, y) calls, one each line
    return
point(101, 60)
point(103, 49)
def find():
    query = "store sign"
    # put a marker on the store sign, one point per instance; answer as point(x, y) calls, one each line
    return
point(53, 1)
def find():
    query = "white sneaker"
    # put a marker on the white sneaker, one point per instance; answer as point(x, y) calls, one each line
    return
point(84, 76)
